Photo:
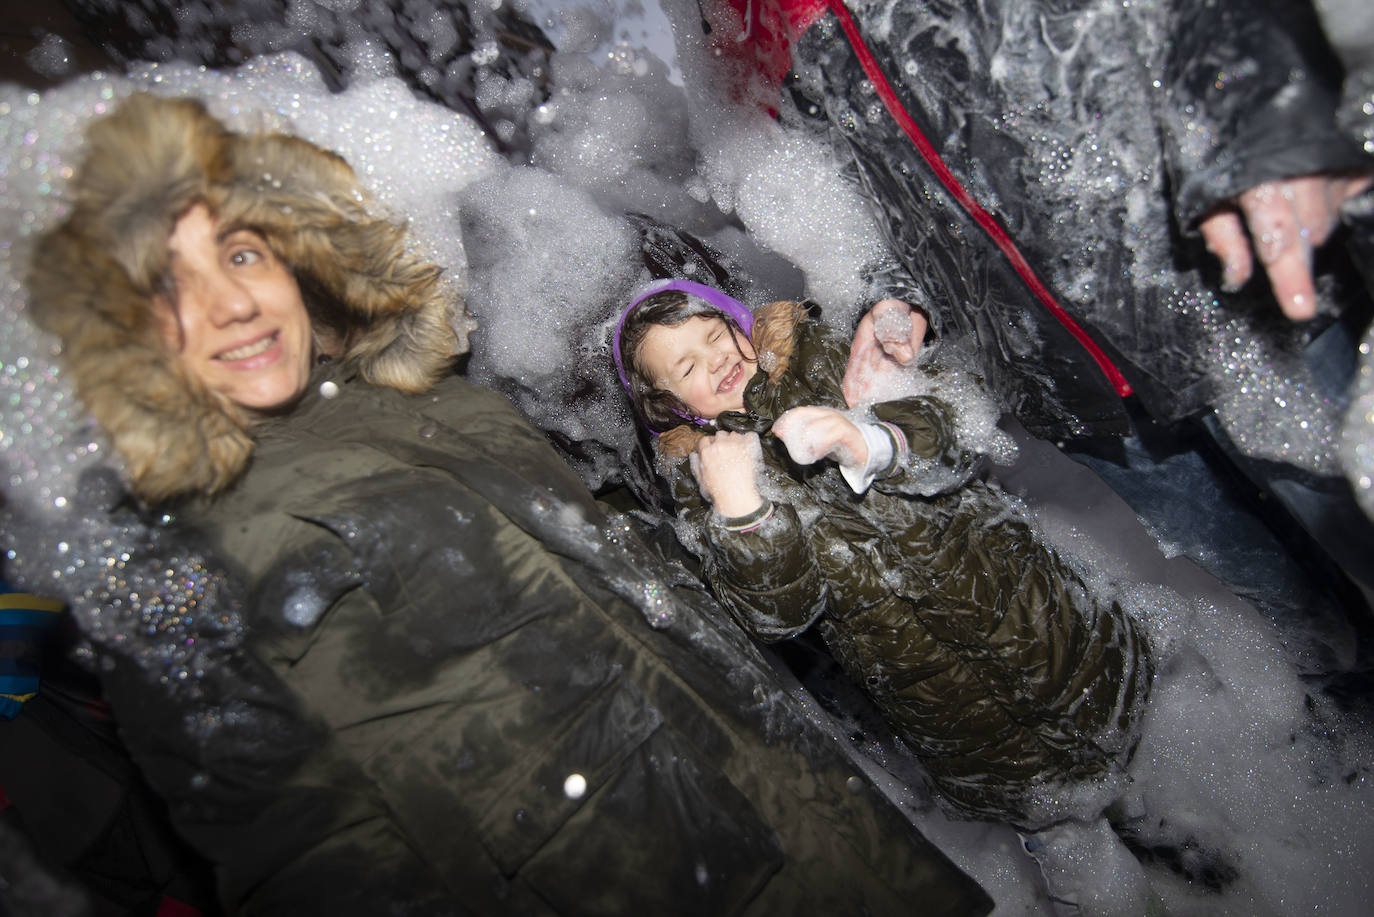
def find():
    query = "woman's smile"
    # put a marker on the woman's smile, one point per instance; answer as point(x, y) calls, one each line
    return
point(252, 349)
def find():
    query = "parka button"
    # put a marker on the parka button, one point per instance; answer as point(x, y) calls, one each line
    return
point(328, 389)
point(575, 787)
point(855, 785)
point(428, 430)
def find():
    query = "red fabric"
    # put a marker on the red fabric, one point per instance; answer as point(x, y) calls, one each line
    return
point(171, 907)
point(760, 38)
point(801, 14)
point(759, 43)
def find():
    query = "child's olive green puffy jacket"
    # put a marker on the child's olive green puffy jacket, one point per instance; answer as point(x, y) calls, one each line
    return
point(982, 646)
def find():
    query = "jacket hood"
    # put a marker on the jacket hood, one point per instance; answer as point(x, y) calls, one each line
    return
point(93, 278)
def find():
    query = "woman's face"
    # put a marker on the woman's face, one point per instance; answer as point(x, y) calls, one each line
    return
point(699, 362)
point(235, 318)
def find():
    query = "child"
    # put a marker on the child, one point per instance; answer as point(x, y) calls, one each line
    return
point(982, 648)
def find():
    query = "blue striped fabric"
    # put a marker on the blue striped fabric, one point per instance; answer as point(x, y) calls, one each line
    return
point(24, 620)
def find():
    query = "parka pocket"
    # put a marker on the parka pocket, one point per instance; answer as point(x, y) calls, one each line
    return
point(608, 728)
point(622, 817)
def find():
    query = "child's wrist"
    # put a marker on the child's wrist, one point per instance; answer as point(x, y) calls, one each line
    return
point(749, 521)
point(736, 506)
point(878, 452)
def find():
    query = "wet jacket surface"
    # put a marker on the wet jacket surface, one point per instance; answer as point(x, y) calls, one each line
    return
point(441, 630)
point(981, 646)
point(1096, 134)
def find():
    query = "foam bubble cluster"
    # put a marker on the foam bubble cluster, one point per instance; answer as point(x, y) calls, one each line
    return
point(1357, 436)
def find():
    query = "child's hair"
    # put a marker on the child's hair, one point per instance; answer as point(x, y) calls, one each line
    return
point(673, 304)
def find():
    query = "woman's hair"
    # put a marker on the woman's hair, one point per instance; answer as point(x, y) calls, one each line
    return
point(658, 408)
point(332, 327)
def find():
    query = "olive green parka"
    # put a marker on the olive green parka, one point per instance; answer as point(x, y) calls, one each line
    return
point(981, 646)
point(512, 704)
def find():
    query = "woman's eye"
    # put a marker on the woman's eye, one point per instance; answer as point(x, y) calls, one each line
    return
point(245, 256)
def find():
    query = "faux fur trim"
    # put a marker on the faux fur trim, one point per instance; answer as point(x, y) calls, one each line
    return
point(775, 336)
point(93, 278)
point(679, 442)
point(775, 341)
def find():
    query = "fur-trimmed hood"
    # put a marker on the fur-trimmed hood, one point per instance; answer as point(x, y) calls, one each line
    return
point(93, 279)
point(774, 340)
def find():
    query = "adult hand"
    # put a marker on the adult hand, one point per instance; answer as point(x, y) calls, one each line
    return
point(726, 467)
point(1285, 220)
point(888, 338)
point(813, 433)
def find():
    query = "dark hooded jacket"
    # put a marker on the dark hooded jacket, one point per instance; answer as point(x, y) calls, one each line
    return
point(1092, 134)
point(982, 647)
point(431, 674)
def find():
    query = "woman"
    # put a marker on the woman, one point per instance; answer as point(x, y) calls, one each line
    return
point(459, 687)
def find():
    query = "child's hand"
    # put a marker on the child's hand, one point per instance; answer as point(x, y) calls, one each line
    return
point(888, 337)
point(814, 433)
point(726, 466)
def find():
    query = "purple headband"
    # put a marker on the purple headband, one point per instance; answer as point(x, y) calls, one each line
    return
point(727, 304)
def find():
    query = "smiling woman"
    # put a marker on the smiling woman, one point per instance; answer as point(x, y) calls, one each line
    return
point(234, 317)
point(232, 253)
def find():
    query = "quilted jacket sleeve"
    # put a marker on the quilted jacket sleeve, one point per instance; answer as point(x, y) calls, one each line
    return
point(928, 458)
point(765, 576)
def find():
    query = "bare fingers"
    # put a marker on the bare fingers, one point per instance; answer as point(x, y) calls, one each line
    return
point(1280, 223)
point(1275, 213)
point(1224, 233)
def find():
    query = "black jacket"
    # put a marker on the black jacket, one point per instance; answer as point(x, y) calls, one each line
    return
point(1095, 134)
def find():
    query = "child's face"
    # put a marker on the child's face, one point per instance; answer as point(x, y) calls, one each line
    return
point(699, 362)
